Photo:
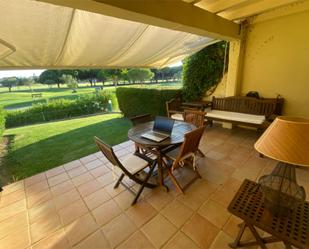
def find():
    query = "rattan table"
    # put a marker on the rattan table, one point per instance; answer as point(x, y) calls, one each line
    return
point(248, 205)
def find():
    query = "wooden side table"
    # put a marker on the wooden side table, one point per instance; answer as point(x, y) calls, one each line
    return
point(248, 205)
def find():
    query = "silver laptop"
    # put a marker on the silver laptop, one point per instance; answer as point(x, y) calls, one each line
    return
point(162, 129)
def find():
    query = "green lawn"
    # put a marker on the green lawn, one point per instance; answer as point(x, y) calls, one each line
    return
point(38, 148)
point(21, 96)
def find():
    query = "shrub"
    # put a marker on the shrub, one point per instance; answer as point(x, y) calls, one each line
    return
point(136, 101)
point(59, 109)
point(2, 122)
point(203, 70)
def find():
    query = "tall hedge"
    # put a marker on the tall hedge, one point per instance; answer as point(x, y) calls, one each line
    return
point(137, 101)
point(2, 122)
point(59, 109)
point(203, 70)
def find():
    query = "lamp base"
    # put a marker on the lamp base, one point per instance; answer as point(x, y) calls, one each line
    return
point(280, 190)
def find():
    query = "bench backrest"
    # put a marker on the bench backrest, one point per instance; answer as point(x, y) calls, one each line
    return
point(249, 105)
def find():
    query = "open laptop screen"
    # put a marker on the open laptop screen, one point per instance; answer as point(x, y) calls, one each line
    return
point(163, 124)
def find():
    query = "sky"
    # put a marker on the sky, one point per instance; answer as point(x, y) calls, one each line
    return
point(28, 73)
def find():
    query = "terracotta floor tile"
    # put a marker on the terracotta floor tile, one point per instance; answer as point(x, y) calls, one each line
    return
point(66, 199)
point(86, 177)
point(159, 198)
point(215, 213)
point(159, 230)
point(124, 199)
point(12, 197)
point(94, 241)
point(12, 187)
point(231, 228)
point(72, 165)
point(72, 212)
point(181, 241)
point(12, 209)
point(80, 228)
point(55, 171)
point(18, 221)
point(201, 231)
point(106, 212)
point(44, 226)
point(57, 240)
point(77, 171)
point(221, 241)
point(191, 200)
point(35, 179)
point(136, 241)
point(114, 191)
point(52, 181)
point(93, 164)
point(117, 230)
point(62, 188)
point(177, 213)
point(88, 159)
point(37, 188)
point(99, 171)
point(141, 212)
point(41, 210)
point(16, 240)
point(89, 187)
point(38, 198)
point(96, 198)
point(107, 178)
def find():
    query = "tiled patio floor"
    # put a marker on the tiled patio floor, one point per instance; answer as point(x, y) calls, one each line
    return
point(75, 205)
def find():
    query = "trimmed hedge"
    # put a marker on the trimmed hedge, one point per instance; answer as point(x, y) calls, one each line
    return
point(137, 101)
point(2, 122)
point(59, 109)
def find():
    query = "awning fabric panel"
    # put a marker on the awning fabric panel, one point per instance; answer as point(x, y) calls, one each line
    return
point(40, 35)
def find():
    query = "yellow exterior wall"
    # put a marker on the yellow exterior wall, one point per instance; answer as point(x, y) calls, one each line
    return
point(276, 60)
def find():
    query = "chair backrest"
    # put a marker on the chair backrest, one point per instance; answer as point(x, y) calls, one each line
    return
point(190, 144)
point(194, 117)
point(110, 155)
point(141, 119)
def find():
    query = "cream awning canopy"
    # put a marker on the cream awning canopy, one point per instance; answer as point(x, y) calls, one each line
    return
point(41, 35)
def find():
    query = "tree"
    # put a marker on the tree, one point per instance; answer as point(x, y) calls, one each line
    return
point(70, 81)
point(114, 75)
point(29, 82)
point(140, 74)
point(102, 75)
point(9, 82)
point(203, 70)
point(124, 75)
point(51, 77)
point(88, 74)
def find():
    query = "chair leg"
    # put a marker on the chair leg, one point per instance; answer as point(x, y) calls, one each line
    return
point(144, 183)
point(119, 181)
point(200, 153)
point(174, 180)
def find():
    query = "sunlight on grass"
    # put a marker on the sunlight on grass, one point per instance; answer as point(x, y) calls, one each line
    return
point(37, 148)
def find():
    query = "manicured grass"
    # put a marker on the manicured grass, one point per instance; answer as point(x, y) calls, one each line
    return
point(37, 148)
point(21, 96)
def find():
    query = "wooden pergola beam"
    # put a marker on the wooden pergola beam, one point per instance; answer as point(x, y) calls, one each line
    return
point(176, 15)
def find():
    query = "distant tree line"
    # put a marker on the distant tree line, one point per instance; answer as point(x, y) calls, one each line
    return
point(116, 76)
point(11, 82)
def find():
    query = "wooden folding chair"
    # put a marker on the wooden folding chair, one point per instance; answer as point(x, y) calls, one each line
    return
point(131, 166)
point(184, 155)
point(196, 118)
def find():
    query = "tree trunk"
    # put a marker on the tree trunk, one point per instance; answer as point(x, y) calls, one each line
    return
point(58, 84)
point(10, 89)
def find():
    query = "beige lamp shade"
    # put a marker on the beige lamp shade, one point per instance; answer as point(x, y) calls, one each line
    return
point(286, 140)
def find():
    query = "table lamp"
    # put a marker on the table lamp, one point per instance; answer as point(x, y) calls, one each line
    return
point(286, 140)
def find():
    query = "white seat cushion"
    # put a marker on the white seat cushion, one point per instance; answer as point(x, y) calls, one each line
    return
point(236, 116)
point(177, 116)
point(133, 163)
